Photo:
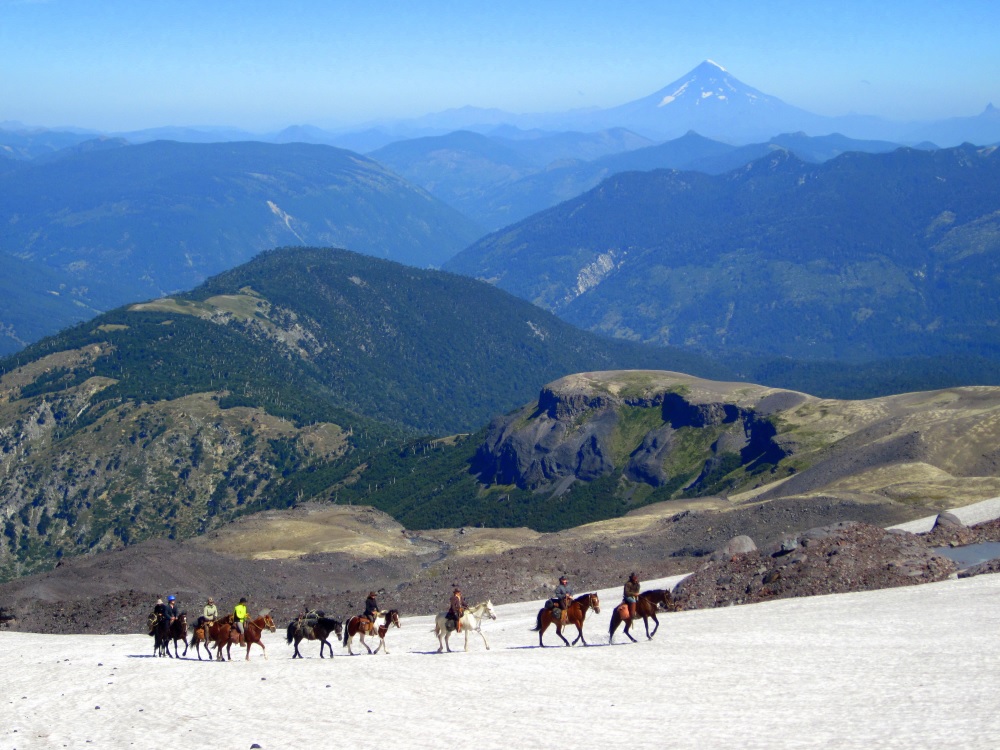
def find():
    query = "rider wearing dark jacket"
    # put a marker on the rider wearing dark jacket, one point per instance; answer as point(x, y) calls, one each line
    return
point(159, 613)
point(371, 606)
point(455, 608)
point(171, 609)
point(631, 594)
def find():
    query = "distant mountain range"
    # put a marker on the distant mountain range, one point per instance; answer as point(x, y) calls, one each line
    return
point(497, 181)
point(100, 223)
point(708, 99)
point(862, 257)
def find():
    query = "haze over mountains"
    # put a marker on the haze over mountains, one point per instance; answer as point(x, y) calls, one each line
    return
point(92, 229)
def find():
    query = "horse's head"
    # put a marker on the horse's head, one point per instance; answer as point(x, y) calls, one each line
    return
point(268, 623)
point(392, 616)
point(338, 628)
point(595, 603)
point(489, 609)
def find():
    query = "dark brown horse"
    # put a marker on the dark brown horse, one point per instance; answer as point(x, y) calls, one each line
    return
point(574, 614)
point(361, 626)
point(223, 633)
point(646, 608)
point(317, 629)
point(179, 632)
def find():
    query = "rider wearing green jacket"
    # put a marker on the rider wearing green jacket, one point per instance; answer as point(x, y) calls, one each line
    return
point(240, 616)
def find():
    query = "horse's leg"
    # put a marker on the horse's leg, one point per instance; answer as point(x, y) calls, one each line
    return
point(628, 627)
point(656, 626)
point(559, 633)
point(543, 624)
point(365, 644)
point(350, 640)
point(483, 636)
point(437, 632)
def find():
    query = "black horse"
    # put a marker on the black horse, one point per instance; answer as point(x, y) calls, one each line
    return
point(160, 630)
point(164, 631)
point(313, 629)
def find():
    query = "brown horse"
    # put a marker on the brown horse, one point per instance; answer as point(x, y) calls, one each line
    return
point(317, 629)
point(200, 636)
point(224, 633)
point(645, 607)
point(574, 614)
point(361, 626)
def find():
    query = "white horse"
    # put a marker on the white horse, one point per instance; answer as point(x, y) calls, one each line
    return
point(472, 619)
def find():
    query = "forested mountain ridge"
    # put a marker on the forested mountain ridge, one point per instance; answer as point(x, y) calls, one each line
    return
point(269, 384)
point(861, 257)
point(111, 225)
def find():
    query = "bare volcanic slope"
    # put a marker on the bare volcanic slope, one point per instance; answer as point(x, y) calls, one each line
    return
point(329, 557)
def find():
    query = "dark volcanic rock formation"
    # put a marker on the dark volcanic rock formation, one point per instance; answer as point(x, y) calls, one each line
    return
point(835, 559)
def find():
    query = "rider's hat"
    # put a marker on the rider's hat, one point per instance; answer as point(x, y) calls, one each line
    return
point(563, 578)
point(371, 593)
point(243, 600)
point(171, 598)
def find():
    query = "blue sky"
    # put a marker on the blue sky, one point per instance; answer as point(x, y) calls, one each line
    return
point(114, 65)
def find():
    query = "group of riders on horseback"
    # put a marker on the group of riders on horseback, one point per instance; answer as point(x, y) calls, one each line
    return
point(167, 613)
point(560, 610)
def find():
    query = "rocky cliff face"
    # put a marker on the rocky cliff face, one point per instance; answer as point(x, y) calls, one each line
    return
point(646, 428)
point(637, 437)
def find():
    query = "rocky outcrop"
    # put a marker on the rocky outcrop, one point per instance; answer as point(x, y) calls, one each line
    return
point(583, 433)
point(842, 557)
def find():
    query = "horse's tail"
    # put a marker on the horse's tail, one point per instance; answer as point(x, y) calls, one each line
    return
point(347, 630)
point(538, 622)
point(290, 633)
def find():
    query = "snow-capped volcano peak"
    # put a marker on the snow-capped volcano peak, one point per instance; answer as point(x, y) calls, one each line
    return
point(708, 81)
point(709, 99)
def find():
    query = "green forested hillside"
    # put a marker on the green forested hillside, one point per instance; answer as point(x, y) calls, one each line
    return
point(113, 225)
point(304, 373)
point(863, 257)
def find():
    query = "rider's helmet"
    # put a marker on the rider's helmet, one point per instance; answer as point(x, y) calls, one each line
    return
point(563, 579)
point(243, 600)
point(171, 598)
